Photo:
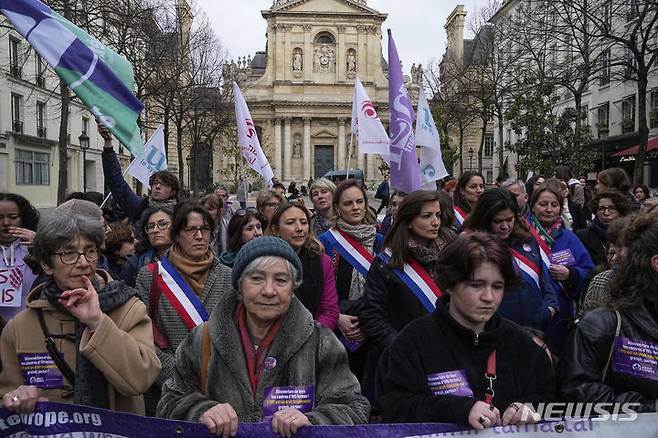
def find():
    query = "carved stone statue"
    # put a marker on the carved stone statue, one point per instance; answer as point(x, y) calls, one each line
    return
point(297, 147)
point(297, 60)
point(351, 61)
point(324, 59)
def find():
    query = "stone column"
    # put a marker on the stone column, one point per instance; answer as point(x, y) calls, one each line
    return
point(287, 150)
point(308, 53)
point(362, 53)
point(280, 54)
point(340, 55)
point(277, 149)
point(306, 152)
point(340, 162)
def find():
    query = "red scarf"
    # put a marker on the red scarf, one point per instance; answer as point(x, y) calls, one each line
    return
point(255, 359)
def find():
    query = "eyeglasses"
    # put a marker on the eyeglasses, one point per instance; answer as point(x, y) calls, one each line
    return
point(272, 204)
point(161, 224)
point(611, 209)
point(192, 231)
point(72, 257)
point(158, 182)
point(243, 211)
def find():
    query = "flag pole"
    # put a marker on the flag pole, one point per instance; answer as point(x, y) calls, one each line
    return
point(123, 175)
point(349, 156)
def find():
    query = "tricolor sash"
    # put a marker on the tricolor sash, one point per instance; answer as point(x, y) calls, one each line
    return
point(544, 250)
point(529, 270)
point(352, 250)
point(460, 215)
point(181, 296)
point(417, 279)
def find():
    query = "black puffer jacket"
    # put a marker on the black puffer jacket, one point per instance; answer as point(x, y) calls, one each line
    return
point(387, 305)
point(587, 351)
point(437, 343)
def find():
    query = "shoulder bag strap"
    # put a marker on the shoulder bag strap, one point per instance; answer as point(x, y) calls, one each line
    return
point(205, 358)
point(612, 345)
point(63, 367)
point(154, 299)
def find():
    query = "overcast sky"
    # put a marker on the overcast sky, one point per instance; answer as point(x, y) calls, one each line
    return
point(417, 25)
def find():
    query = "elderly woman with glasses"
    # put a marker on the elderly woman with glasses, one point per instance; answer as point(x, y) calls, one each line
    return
point(154, 242)
point(261, 357)
point(99, 344)
point(244, 227)
point(181, 289)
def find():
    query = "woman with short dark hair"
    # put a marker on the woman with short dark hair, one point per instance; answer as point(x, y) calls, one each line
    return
point(103, 355)
point(610, 355)
point(119, 245)
point(608, 206)
point(181, 289)
point(436, 370)
point(533, 301)
point(155, 231)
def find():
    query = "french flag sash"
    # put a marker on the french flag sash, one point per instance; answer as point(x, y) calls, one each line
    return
point(350, 249)
point(180, 295)
point(528, 268)
point(417, 279)
point(460, 215)
point(544, 250)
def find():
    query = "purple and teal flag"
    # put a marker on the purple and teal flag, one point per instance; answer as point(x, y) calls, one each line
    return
point(101, 78)
point(405, 171)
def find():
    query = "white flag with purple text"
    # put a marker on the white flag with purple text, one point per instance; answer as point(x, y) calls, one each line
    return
point(248, 140)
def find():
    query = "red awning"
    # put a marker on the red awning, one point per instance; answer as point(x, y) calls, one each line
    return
point(651, 145)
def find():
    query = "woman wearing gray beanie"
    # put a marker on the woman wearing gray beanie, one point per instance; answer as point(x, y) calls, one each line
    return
point(262, 357)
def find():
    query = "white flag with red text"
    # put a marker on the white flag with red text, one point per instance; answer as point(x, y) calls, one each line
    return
point(366, 125)
point(248, 140)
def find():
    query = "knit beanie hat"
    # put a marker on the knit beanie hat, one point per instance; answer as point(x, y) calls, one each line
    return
point(263, 246)
point(80, 207)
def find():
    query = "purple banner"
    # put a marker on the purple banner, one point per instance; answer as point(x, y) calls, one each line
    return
point(449, 383)
point(277, 398)
point(636, 358)
point(64, 420)
point(405, 171)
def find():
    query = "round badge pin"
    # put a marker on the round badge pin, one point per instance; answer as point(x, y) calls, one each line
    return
point(527, 247)
point(269, 363)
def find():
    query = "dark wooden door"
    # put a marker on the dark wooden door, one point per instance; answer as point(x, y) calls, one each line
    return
point(324, 160)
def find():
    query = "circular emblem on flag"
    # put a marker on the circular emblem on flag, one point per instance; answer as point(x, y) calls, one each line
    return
point(527, 247)
point(368, 110)
point(269, 363)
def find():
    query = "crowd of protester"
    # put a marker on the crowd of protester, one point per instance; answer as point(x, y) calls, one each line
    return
point(444, 311)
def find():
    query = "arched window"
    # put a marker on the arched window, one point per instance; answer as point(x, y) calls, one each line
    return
point(324, 38)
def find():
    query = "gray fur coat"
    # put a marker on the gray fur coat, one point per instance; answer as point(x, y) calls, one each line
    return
point(305, 353)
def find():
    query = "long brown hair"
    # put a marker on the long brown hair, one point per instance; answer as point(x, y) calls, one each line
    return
point(492, 202)
point(312, 243)
point(398, 237)
point(458, 197)
point(636, 280)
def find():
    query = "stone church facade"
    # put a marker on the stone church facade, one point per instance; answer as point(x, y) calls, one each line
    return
point(300, 89)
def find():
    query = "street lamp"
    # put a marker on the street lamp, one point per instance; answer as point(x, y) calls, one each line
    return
point(470, 158)
point(84, 145)
point(189, 173)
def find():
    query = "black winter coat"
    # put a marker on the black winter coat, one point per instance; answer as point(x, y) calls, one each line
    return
point(437, 343)
point(594, 245)
point(587, 350)
point(387, 305)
